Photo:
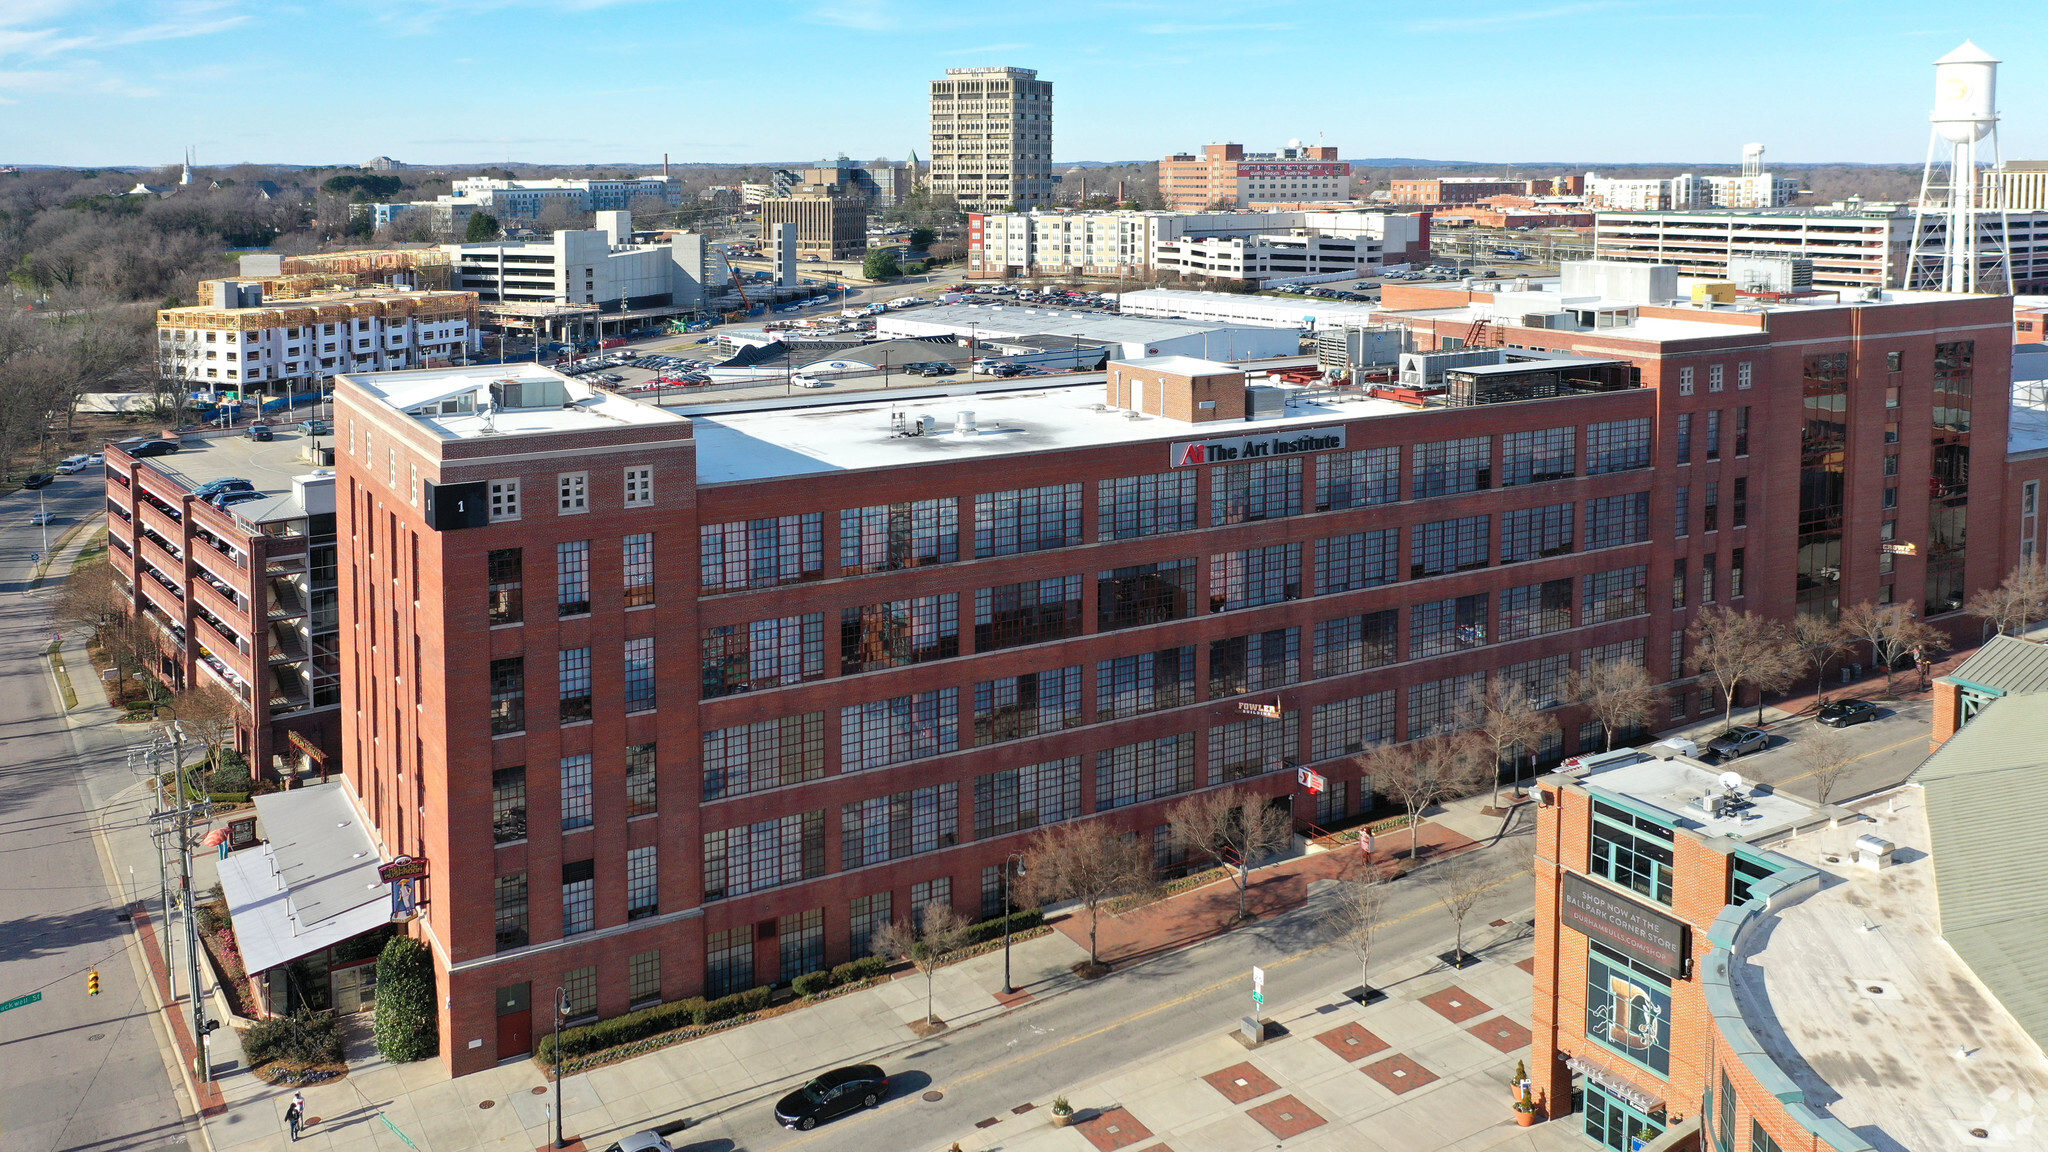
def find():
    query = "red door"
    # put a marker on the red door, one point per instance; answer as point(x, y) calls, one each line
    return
point(515, 1021)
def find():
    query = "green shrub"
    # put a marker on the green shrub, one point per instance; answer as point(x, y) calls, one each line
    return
point(811, 983)
point(989, 930)
point(738, 1004)
point(861, 969)
point(407, 1027)
point(589, 1038)
point(307, 1038)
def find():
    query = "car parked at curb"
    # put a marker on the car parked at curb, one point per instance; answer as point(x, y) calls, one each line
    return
point(1842, 713)
point(645, 1140)
point(831, 1095)
point(38, 480)
point(1738, 741)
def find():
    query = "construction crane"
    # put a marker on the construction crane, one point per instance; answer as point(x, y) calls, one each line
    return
point(734, 273)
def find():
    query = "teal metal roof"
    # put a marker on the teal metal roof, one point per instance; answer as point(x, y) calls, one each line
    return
point(1987, 825)
point(2007, 664)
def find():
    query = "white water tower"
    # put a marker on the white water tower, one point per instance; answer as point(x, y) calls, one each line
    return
point(1965, 113)
point(1752, 159)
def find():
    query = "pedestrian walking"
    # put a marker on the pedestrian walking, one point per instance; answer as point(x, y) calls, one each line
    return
point(295, 1113)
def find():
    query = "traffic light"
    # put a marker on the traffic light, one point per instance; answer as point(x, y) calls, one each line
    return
point(92, 982)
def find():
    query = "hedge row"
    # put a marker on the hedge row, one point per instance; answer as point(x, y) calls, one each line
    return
point(586, 1039)
point(989, 930)
point(813, 983)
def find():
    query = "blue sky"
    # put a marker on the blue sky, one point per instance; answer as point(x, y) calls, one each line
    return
point(609, 81)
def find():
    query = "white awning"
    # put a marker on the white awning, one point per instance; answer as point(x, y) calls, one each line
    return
point(311, 884)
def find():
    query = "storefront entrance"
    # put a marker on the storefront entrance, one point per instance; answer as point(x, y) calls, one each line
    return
point(515, 1021)
point(1612, 1124)
point(354, 988)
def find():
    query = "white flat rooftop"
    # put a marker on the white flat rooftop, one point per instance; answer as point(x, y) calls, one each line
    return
point(800, 440)
point(2028, 430)
point(1855, 995)
point(1181, 365)
point(1672, 786)
point(587, 407)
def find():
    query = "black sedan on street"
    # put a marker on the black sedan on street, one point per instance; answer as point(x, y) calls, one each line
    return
point(1842, 713)
point(832, 1095)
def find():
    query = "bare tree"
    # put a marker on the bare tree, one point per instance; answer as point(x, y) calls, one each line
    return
point(1826, 753)
point(1620, 695)
point(1086, 861)
point(1234, 825)
point(1356, 912)
point(1460, 882)
point(925, 942)
point(210, 713)
point(1422, 772)
point(1513, 723)
point(91, 597)
point(1818, 640)
point(1892, 631)
point(2019, 600)
point(1738, 648)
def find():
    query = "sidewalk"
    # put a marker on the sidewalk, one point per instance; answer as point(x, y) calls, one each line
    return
point(1425, 1068)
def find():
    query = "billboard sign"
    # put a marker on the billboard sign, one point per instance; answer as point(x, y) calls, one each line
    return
point(1224, 449)
point(1646, 936)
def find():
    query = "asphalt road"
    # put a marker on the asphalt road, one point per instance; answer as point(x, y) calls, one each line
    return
point(1887, 750)
point(81, 1072)
point(1029, 1055)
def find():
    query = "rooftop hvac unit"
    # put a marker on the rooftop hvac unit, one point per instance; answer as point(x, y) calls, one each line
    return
point(1771, 273)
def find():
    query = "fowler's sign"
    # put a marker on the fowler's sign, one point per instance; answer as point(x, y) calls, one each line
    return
point(1641, 934)
point(402, 868)
point(1192, 452)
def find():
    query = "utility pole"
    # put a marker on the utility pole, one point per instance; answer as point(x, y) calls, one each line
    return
point(177, 823)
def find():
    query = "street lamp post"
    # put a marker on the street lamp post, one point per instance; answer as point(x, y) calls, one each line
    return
point(1016, 859)
point(561, 1013)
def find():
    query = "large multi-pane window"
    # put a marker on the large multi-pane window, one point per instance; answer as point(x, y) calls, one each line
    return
point(800, 942)
point(1546, 679)
point(508, 695)
point(643, 887)
point(1714, 434)
point(1448, 467)
point(641, 793)
point(1028, 704)
point(886, 537)
point(508, 804)
point(1533, 533)
point(1348, 727)
point(1448, 546)
point(1357, 479)
point(640, 674)
point(869, 914)
point(1823, 446)
point(1617, 445)
point(1255, 663)
point(883, 732)
point(1617, 595)
point(1632, 851)
point(572, 578)
point(728, 961)
point(1354, 643)
point(1619, 652)
point(926, 893)
point(643, 977)
point(1628, 1011)
point(1132, 506)
point(1446, 705)
point(1254, 576)
point(762, 553)
point(1536, 609)
point(1147, 682)
point(755, 757)
point(1438, 627)
point(576, 798)
point(763, 654)
point(1255, 490)
point(505, 580)
point(1135, 773)
point(1253, 747)
point(1533, 457)
point(1027, 520)
point(1617, 520)
point(874, 636)
point(1145, 594)
point(579, 908)
point(1032, 612)
point(1684, 452)
point(511, 911)
point(891, 827)
point(1016, 799)
point(572, 674)
point(1359, 560)
point(636, 556)
point(762, 855)
point(1948, 487)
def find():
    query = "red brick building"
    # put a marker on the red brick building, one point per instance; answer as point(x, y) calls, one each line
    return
point(1226, 176)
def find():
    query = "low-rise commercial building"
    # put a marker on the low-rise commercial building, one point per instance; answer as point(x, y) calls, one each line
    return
point(1267, 257)
point(831, 220)
point(242, 597)
point(526, 199)
point(239, 341)
point(1127, 243)
point(599, 266)
point(1759, 190)
point(1226, 176)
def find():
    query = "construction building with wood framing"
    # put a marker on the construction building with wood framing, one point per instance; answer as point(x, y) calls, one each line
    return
point(238, 341)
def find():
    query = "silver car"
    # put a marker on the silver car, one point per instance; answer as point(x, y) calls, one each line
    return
point(646, 1140)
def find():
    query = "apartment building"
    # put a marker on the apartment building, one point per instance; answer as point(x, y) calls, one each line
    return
point(1757, 190)
point(242, 597)
point(831, 220)
point(1468, 189)
point(238, 341)
point(991, 138)
point(600, 266)
point(525, 199)
point(1852, 244)
point(1226, 176)
point(1128, 243)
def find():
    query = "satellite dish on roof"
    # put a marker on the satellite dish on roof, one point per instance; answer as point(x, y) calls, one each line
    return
point(1731, 780)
